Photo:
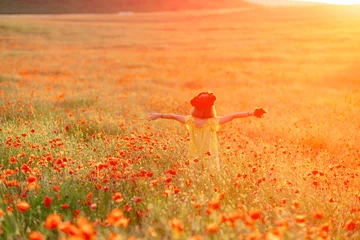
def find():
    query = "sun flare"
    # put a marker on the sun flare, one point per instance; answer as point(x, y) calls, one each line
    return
point(336, 2)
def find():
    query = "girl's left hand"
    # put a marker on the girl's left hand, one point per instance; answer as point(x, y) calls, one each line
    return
point(153, 116)
point(259, 112)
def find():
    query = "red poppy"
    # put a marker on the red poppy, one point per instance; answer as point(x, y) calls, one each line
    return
point(36, 236)
point(65, 206)
point(23, 206)
point(31, 179)
point(117, 197)
point(255, 213)
point(212, 228)
point(89, 195)
point(350, 225)
point(116, 218)
point(176, 224)
point(52, 221)
point(47, 201)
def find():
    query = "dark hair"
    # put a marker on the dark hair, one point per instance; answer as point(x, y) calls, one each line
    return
point(208, 112)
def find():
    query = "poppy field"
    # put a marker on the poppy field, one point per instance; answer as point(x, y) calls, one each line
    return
point(80, 161)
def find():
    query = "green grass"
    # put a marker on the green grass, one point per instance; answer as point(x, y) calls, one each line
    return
point(87, 87)
point(6, 79)
point(27, 29)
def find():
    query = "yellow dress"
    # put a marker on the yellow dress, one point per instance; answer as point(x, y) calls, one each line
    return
point(203, 141)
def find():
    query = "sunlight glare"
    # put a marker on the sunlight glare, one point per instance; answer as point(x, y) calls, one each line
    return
point(337, 2)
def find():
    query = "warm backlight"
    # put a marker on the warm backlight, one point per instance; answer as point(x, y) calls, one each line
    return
point(338, 2)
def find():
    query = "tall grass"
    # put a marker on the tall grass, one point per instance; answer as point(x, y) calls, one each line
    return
point(73, 108)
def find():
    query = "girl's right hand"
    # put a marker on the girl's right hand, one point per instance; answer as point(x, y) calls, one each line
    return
point(153, 116)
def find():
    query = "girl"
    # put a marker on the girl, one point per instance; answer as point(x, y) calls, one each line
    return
point(203, 125)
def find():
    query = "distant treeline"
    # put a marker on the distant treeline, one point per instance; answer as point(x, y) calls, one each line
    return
point(111, 6)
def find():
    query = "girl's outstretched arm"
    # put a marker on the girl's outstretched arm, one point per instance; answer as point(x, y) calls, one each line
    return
point(154, 116)
point(258, 112)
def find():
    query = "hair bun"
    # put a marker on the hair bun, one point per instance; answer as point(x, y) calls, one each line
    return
point(203, 100)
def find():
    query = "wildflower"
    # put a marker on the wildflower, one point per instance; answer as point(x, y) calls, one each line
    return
point(255, 214)
point(65, 206)
point(12, 183)
point(214, 205)
point(127, 208)
point(36, 236)
point(282, 223)
point(212, 228)
point(47, 201)
point(114, 236)
point(117, 197)
point(53, 221)
point(153, 183)
point(25, 168)
point(70, 229)
point(23, 206)
point(76, 212)
point(12, 160)
point(176, 224)
point(9, 209)
point(31, 179)
point(172, 171)
point(300, 219)
point(221, 196)
point(295, 205)
point(318, 214)
point(324, 229)
point(89, 195)
point(116, 218)
point(350, 225)
point(188, 182)
point(166, 193)
point(86, 228)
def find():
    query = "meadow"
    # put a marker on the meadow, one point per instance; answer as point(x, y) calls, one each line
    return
point(80, 161)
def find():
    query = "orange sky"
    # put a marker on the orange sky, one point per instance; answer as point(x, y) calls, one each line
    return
point(304, 2)
point(340, 2)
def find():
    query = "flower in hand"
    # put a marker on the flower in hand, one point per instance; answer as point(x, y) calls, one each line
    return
point(259, 112)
